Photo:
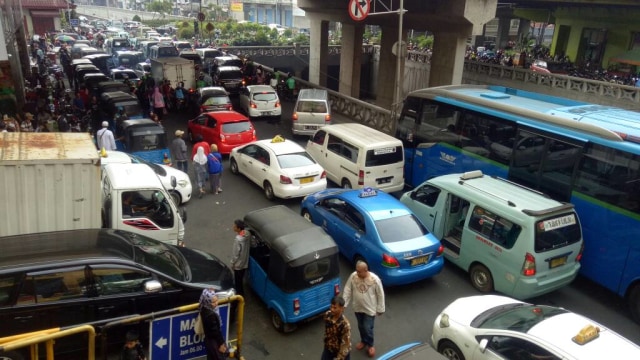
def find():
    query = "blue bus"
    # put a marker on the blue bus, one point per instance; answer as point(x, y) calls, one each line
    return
point(573, 151)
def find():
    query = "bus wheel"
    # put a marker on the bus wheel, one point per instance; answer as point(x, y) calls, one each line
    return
point(481, 278)
point(276, 320)
point(634, 302)
point(346, 184)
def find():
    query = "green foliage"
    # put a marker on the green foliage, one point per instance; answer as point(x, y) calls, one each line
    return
point(160, 7)
point(136, 18)
point(185, 33)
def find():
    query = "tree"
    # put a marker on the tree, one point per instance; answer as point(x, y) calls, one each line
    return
point(136, 18)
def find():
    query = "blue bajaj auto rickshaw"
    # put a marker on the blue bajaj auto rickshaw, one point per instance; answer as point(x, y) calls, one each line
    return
point(144, 138)
point(293, 265)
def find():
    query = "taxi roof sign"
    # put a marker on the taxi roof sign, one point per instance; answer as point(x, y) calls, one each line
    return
point(586, 334)
point(278, 139)
point(368, 192)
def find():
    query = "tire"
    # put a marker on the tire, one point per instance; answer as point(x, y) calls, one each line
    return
point(633, 301)
point(268, 191)
point(346, 184)
point(177, 199)
point(305, 214)
point(277, 321)
point(450, 350)
point(233, 166)
point(481, 278)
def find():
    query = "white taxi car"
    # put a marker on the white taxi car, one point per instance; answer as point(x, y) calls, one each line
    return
point(279, 166)
point(180, 195)
point(498, 327)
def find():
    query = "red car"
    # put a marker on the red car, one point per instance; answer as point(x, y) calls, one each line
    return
point(227, 129)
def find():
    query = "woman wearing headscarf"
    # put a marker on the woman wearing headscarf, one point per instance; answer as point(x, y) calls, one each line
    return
point(158, 102)
point(201, 169)
point(212, 325)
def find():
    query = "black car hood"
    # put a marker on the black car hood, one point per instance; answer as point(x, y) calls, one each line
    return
point(207, 269)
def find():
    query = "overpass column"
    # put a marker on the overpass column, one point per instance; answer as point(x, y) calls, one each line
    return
point(504, 25)
point(318, 51)
point(350, 59)
point(447, 60)
point(386, 85)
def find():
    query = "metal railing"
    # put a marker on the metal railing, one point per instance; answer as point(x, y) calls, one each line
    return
point(33, 339)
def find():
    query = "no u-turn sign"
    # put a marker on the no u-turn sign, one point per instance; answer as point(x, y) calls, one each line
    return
point(359, 9)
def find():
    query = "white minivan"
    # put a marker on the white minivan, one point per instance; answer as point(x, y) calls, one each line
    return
point(311, 112)
point(357, 156)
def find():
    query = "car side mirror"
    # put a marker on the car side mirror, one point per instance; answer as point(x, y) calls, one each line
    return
point(152, 287)
point(483, 345)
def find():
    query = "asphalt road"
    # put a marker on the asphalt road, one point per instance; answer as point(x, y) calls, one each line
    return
point(411, 309)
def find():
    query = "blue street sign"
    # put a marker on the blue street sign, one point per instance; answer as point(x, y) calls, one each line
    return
point(75, 22)
point(173, 337)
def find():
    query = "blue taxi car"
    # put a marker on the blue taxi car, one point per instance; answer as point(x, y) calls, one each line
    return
point(373, 226)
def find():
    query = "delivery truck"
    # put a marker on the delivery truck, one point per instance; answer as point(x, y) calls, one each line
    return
point(174, 69)
point(54, 182)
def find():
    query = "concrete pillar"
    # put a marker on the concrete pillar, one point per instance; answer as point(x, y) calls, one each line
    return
point(318, 51)
point(386, 85)
point(447, 60)
point(504, 24)
point(524, 28)
point(351, 59)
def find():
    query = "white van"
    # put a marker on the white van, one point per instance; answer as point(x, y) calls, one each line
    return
point(311, 112)
point(357, 156)
point(509, 238)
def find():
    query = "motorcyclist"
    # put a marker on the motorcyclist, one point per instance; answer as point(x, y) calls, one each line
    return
point(291, 85)
point(201, 83)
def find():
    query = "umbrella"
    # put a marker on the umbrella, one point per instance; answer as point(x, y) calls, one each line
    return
point(631, 57)
point(65, 38)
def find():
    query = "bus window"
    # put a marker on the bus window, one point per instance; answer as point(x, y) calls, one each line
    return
point(610, 176)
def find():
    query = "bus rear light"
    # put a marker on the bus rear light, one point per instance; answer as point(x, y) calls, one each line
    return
point(529, 266)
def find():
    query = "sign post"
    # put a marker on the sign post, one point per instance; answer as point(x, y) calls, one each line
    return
point(173, 337)
point(359, 9)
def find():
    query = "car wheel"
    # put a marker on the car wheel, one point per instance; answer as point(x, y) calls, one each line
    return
point(277, 321)
point(307, 215)
point(450, 350)
point(481, 278)
point(177, 199)
point(346, 184)
point(233, 165)
point(268, 191)
point(634, 302)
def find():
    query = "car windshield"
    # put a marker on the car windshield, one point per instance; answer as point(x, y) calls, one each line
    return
point(230, 75)
point(161, 258)
point(557, 232)
point(384, 156)
point(264, 96)
point(516, 317)
point(400, 228)
point(215, 100)
point(236, 127)
point(294, 160)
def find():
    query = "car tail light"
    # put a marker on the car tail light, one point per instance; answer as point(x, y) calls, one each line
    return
point(361, 178)
point(579, 257)
point(327, 118)
point(529, 266)
point(336, 289)
point(244, 82)
point(277, 104)
point(253, 105)
point(285, 179)
point(229, 107)
point(389, 261)
point(294, 117)
point(440, 250)
point(296, 306)
point(324, 175)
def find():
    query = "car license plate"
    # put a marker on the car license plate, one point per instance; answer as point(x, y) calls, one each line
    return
point(310, 127)
point(559, 261)
point(266, 113)
point(385, 180)
point(306, 180)
point(420, 260)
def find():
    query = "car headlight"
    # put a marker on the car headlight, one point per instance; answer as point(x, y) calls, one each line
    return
point(444, 321)
point(182, 183)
